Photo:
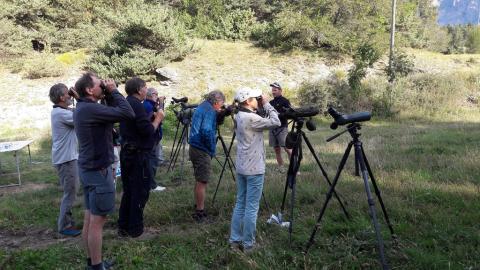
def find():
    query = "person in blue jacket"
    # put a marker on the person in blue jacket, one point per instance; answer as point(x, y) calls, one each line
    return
point(202, 147)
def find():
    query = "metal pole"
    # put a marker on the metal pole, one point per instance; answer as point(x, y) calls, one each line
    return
point(392, 33)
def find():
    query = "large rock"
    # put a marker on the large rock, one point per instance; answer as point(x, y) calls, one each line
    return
point(168, 74)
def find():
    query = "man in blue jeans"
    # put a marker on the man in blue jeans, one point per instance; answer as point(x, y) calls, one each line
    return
point(250, 164)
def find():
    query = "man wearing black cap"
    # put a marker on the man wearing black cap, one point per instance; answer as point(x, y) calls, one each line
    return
point(278, 135)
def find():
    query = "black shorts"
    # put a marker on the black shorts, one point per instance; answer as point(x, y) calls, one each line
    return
point(201, 161)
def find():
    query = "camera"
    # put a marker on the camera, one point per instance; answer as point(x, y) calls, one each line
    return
point(342, 119)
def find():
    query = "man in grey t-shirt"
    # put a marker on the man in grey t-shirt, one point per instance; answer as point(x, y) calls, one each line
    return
point(64, 155)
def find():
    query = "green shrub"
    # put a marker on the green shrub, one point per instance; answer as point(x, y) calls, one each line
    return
point(14, 39)
point(402, 65)
point(473, 39)
point(38, 65)
point(148, 37)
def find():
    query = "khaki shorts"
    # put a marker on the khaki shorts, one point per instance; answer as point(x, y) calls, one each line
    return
point(202, 169)
point(277, 136)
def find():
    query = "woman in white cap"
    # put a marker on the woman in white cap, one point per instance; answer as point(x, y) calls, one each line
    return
point(250, 164)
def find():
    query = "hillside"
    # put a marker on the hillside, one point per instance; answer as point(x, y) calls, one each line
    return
point(215, 65)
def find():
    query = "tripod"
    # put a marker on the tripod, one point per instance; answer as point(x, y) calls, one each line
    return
point(231, 164)
point(228, 160)
point(362, 163)
point(294, 166)
point(180, 144)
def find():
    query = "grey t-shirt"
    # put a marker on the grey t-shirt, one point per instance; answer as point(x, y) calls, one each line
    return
point(250, 158)
point(64, 140)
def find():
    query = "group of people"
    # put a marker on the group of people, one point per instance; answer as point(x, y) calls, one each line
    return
point(83, 149)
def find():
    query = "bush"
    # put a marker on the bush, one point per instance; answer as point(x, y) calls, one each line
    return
point(149, 37)
point(473, 39)
point(38, 65)
point(14, 39)
point(402, 65)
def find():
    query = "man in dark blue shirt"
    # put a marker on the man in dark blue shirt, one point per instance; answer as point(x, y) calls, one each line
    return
point(153, 103)
point(138, 139)
point(202, 146)
point(93, 126)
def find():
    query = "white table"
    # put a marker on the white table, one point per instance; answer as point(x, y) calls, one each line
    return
point(14, 147)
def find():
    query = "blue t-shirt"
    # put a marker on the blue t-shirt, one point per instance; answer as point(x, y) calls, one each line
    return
point(203, 128)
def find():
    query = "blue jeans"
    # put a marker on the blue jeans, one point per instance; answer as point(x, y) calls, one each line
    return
point(244, 219)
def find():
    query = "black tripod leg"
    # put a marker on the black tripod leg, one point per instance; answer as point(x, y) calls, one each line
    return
point(378, 193)
point(179, 147)
point(325, 174)
point(227, 158)
point(371, 203)
point(292, 202)
point(175, 151)
point(174, 140)
point(329, 196)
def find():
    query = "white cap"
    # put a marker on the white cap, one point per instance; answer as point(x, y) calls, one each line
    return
point(244, 93)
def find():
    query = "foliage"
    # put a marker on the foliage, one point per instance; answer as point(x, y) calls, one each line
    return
point(38, 65)
point(364, 58)
point(401, 66)
point(148, 37)
point(473, 39)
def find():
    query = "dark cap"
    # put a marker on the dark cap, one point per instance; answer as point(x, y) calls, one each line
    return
point(276, 85)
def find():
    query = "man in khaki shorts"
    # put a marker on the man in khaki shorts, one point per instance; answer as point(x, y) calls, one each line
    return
point(202, 147)
point(278, 135)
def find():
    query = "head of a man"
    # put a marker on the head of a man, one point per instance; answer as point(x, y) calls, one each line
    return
point(276, 89)
point(136, 87)
point(248, 97)
point(88, 86)
point(216, 98)
point(152, 94)
point(59, 95)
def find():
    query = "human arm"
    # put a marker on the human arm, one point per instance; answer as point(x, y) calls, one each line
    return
point(271, 121)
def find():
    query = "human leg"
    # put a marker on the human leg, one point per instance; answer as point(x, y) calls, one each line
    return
point(236, 227)
point(68, 172)
point(254, 189)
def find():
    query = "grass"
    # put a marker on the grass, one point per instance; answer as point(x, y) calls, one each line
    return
point(427, 172)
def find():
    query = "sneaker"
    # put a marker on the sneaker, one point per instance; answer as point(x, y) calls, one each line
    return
point(199, 216)
point(105, 263)
point(158, 189)
point(70, 231)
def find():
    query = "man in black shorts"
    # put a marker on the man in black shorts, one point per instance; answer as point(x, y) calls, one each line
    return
point(278, 135)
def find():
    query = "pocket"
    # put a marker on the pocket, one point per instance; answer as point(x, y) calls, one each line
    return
point(104, 198)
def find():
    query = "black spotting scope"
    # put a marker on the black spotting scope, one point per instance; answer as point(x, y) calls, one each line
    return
point(178, 100)
point(342, 119)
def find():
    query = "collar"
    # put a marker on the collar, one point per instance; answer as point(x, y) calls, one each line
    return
point(243, 109)
point(58, 106)
point(84, 99)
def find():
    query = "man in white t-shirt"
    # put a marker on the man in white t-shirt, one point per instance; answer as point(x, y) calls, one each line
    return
point(64, 155)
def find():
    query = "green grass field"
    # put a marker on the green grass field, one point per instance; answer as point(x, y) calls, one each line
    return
point(427, 171)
